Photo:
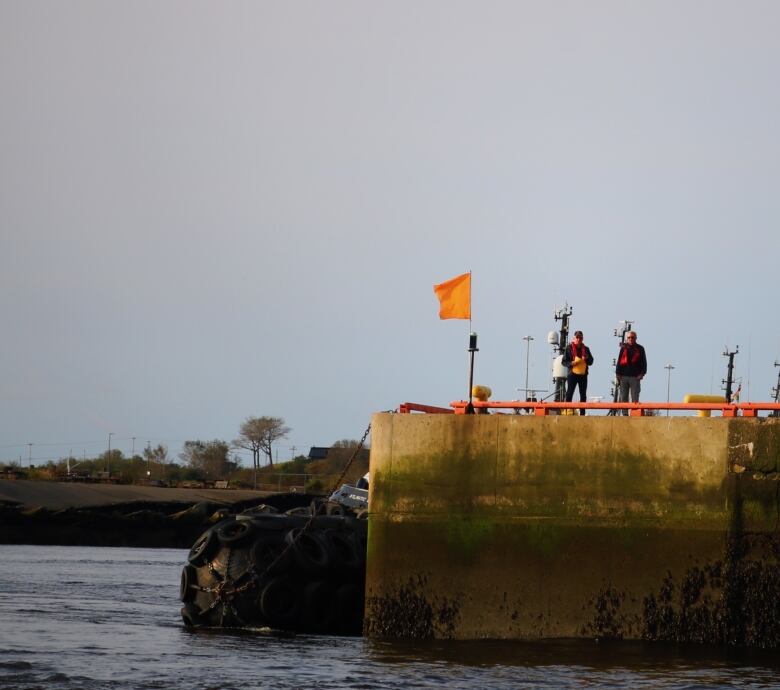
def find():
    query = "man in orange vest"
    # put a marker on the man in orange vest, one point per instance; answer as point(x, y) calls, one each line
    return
point(577, 358)
point(630, 369)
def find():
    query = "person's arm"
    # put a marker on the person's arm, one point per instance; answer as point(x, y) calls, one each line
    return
point(588, 356)
point(642, 363)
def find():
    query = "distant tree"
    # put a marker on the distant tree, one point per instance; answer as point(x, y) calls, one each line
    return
point(209, 459)
point(157, 455)
point(111, 462)
point(258, 434)
point(345, 443)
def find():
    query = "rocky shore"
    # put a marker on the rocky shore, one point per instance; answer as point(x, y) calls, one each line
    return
point(58, 513)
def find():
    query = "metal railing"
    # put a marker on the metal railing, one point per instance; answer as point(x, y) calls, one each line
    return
point(542, 409)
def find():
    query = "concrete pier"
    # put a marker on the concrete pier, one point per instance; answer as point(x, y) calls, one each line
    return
point(508, 526)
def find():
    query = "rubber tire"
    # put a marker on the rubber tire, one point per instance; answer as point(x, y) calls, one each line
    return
point(189, 577)
point(203, 549)
point(280, 601)
point(343, 549)
point(236, 532)
point(310, 549)
point(268, 549)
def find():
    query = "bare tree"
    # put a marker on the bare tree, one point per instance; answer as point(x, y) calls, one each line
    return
point(258, 434)
point(157, 455)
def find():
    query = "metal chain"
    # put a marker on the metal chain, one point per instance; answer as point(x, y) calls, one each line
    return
point(309, 522)
point(358, 448)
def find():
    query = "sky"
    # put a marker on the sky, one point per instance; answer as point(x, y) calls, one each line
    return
point(211, 211)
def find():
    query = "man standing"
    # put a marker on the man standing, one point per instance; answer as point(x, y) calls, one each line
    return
point(577, 358)
point(631, 368)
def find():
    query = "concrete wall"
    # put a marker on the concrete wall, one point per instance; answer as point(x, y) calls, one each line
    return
point(506, 526)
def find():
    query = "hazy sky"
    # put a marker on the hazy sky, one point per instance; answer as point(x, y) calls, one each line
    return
point(210, 211)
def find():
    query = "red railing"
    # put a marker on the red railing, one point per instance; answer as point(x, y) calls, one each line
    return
point(542, 409)
point(407, 407)
point(634, 409)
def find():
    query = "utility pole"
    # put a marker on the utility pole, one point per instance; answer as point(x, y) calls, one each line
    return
point(292, 451)
point(668, 368)
point(29, 461)
point(132, 454)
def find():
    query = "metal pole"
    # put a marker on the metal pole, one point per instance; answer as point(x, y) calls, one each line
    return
point(668, 368)
point(730, 373)
point(528, 339)
point(472, 349)
point(108, 457)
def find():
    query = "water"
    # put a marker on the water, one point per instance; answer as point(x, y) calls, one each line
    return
point(88, 618)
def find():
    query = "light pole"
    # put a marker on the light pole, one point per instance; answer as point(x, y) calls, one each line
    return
point(668, 368)
point(108, 457)
point(528, 339)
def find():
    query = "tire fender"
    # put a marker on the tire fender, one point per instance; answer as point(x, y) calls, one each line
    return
point(235, 532)
point(203, 549)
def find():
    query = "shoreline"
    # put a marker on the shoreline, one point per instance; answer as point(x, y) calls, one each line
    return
point(59, 513)
point(59, 495)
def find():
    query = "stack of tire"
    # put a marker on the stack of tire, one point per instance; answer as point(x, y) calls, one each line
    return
point(287, 572)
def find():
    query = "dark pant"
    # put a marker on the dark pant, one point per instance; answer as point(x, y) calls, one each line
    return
point(574, 380)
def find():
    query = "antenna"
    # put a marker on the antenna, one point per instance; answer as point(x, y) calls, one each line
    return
point(563, 315)
point(620, 332)
point(776, 392)
point(729, 371)
point(559, 375)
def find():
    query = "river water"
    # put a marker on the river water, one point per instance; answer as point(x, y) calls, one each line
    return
point(108, 618)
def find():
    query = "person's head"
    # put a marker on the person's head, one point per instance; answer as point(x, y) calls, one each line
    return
point(578, 336)
point(631, 337)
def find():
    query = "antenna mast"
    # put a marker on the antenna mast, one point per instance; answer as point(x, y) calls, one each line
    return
point(620, 332)
point(559, 341)
point(729, 380)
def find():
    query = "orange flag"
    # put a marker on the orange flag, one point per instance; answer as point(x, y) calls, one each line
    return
point(454, 297)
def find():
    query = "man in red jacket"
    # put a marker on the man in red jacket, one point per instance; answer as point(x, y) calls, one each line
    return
point(630, 369)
